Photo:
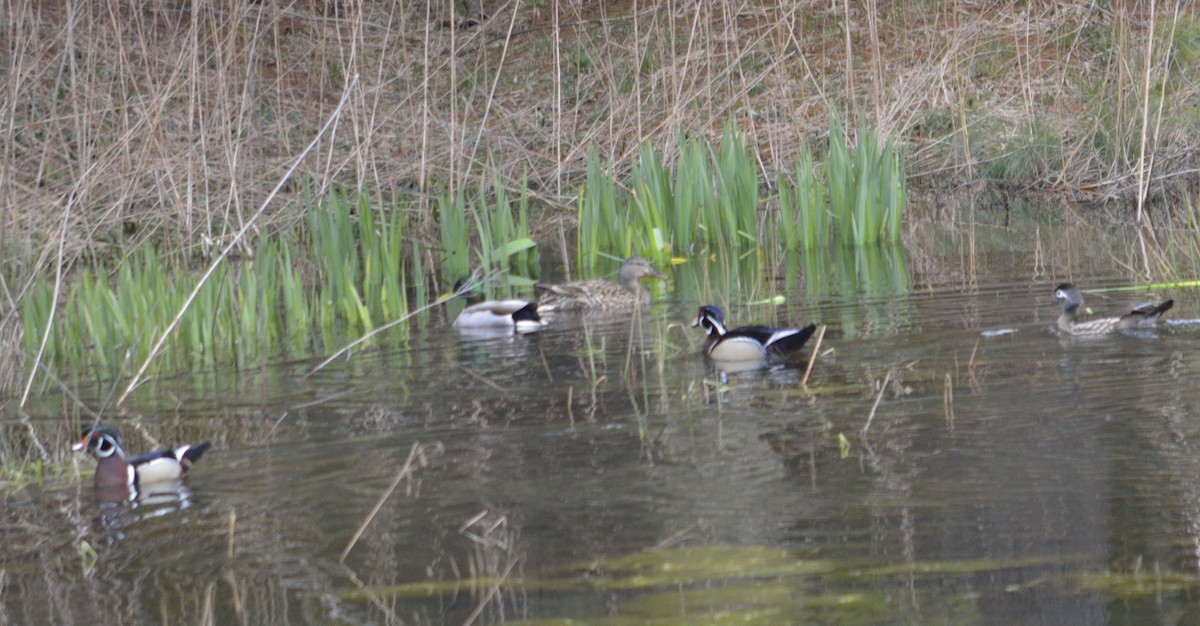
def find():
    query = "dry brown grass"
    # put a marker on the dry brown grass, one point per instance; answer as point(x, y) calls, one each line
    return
point(169, 122)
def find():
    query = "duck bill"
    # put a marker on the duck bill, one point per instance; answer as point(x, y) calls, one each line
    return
point(81, 446)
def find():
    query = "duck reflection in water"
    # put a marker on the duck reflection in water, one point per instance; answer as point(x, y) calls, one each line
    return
point(118, 508)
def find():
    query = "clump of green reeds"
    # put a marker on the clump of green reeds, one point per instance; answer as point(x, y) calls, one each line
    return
point(862, 200)
point(601, 222)
point(108, 325)
point(867, 191)
point(492, 224)
point(709, 203)
point(804, 222)
point(363, 266)
point(353, 268)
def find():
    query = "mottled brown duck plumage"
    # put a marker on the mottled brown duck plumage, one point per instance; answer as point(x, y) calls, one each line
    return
point(626, 293)
point(1070, 322)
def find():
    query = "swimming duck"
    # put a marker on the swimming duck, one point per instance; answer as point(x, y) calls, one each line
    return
point(747, 343)
point(1141, 316)
point(521, 315)
point(626, 293)
point(113, 469)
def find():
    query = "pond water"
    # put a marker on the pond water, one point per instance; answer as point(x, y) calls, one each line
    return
point(931, 469)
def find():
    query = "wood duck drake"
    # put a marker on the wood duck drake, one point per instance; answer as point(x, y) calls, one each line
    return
point(626, 293)
point(114, 469)
point(1071, 300)
point(747, 343)
point(521, 315)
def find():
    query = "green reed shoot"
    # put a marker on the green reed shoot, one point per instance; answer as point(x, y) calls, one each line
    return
point(737, 193)
point(526, 252)
point(297, 316)
point(803, 218)
point(601, 227)
point(381, 244)
point(35, 314)
point(655, 203)
point(452, 222)
point(417, 272)
point(867, 191)
point(498, 226)
point(692, 199)
point(335, 241)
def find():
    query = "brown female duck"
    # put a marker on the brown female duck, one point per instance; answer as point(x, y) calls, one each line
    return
point(626, 293)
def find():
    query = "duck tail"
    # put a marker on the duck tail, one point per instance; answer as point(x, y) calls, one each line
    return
point(191, 454)
point(1160, 309)
point(793, 341)
point(527, 313)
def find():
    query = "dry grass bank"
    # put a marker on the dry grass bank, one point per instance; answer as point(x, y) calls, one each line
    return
point(169, 122)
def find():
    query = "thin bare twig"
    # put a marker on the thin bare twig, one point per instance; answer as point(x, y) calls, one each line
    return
point(37, 358)
point(882, 388)
point(387, 493)
point(812, 359)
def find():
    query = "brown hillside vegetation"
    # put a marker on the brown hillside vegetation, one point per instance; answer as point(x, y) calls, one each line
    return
point(170, 121)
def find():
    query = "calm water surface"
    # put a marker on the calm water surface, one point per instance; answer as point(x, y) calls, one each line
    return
point(600, 471)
